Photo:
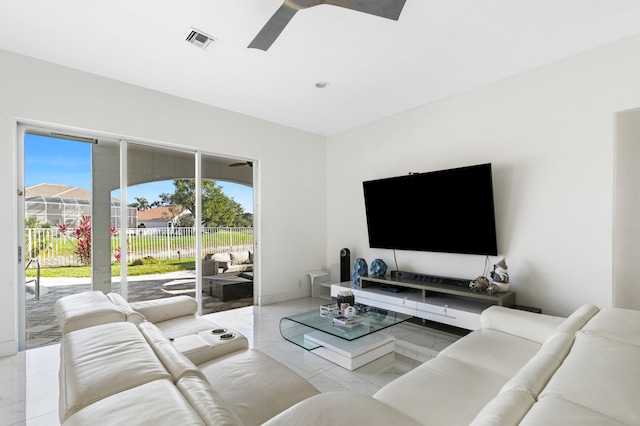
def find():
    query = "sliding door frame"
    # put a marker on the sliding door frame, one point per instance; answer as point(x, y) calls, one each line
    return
point(27, 126)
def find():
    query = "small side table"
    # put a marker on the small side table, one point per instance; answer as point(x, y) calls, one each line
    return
point(320, 286)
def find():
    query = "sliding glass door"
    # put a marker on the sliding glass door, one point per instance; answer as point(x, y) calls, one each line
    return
point(127, 217)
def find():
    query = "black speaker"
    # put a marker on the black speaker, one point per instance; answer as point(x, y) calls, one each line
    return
point(345, 265)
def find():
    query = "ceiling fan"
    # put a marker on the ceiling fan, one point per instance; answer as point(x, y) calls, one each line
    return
point(243, 163)
point(389, 9)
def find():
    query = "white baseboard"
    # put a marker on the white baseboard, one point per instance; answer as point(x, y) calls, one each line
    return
point(8, 348)
point(283, 297)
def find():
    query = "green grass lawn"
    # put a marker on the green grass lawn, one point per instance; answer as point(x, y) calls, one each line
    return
point(150, 267)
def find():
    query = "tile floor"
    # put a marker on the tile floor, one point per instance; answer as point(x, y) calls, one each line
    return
point(29, 380)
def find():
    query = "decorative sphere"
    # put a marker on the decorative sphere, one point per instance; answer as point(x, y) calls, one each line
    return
point(479, 284)
point(378, 268)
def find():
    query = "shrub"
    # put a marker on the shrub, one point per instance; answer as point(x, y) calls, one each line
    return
point(83, 239)
point(147, 260)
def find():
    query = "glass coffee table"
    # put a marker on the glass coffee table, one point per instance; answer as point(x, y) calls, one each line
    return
point(349, 347)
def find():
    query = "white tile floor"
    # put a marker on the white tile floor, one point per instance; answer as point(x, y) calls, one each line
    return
point(29, 380)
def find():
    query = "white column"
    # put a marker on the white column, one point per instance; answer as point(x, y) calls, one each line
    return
point(105, 162)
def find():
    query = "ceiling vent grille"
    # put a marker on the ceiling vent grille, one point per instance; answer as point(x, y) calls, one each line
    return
point(199, 39)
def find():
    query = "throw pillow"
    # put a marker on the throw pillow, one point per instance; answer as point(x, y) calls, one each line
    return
point(239, 258)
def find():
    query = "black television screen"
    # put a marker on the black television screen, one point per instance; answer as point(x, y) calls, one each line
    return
point(447, 211)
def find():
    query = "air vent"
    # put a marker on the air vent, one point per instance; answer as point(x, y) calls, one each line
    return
point(199, 39)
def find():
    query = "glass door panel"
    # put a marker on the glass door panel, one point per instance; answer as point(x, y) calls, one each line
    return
point(227, 233)
point(56, 219)
point(161, 244)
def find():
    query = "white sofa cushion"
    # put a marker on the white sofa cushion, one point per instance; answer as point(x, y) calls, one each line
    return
point(158, 310)
point(341, 408)
point(558, 412)
point(528, 325)
point(442, 391)
point(103, 360)
point(618, 324)
point(502, 354)
point(86, 309)
point(255, 386)
point(219, 257)
point(600, 374)
point(154, 403)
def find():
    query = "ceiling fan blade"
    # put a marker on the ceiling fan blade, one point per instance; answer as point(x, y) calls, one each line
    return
point(272, 29)
point(243, 163)
point(389, 9)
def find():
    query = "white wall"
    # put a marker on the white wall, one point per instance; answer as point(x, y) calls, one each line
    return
point(550, 136)
point(292, 164)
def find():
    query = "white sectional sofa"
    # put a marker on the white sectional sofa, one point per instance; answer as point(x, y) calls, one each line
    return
point(519, 368)
point(124, 369)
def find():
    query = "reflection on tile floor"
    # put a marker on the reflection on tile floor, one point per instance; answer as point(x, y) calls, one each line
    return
point(29, 380)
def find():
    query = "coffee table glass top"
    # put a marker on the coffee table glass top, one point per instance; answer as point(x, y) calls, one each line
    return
point(294, 327)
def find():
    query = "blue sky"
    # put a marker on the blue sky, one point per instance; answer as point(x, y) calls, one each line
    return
point(58, 161)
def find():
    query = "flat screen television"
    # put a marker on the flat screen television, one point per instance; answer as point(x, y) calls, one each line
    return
point(449, 211)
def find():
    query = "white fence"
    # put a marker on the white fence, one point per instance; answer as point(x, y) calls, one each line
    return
point(53, 248)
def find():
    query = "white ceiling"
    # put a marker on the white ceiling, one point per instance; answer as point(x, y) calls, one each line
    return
point(375, 67)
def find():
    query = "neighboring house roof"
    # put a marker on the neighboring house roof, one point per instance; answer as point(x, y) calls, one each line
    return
point(57, 191)
point(158, 213)
point(53, 190)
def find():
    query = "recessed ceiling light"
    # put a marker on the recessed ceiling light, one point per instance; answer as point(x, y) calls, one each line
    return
point(322, 84)
point(199, 39)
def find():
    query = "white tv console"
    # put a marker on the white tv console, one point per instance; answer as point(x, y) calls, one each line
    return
point(457, 306)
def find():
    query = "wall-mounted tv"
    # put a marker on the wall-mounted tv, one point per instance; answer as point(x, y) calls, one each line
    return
point(447, 211)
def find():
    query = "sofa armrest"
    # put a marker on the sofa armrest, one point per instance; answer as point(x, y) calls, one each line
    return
point(577, 319)
point(123, 306)
point(209, 267)
point(159, 310)
point(528, 325)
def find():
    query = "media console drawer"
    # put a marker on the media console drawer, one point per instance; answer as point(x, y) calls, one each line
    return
point(449, 315)
point(396, 304)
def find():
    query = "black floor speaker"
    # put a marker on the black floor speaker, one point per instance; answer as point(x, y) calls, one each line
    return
point(345, 265)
